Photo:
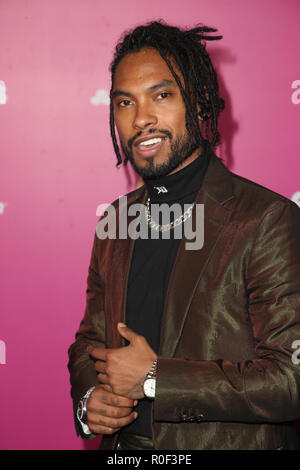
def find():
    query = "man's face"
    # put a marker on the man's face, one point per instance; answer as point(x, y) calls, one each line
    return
point(150, 115)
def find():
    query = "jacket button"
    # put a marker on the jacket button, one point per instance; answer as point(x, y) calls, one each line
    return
point(191, 418)
point(199, 417)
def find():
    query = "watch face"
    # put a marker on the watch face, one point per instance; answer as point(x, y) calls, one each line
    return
point(149, 388)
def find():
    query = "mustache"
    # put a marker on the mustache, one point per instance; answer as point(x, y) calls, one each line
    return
point(151, 131)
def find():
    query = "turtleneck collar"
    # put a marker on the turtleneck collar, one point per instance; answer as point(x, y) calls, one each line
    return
point(171, 188)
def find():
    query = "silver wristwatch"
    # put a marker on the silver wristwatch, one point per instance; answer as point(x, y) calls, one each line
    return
point(150, 381)
point(81, 409)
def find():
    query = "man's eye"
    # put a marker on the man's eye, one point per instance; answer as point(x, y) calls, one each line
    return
point(124, 103)
point(163, 95)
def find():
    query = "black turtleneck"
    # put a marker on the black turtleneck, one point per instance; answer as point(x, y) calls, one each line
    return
point(150, 270)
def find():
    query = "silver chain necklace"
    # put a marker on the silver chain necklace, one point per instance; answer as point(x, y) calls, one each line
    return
point(166, 227)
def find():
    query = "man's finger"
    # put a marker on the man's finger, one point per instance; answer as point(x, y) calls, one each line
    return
point(103, 379)
point(102, 429)
point(104, 411)
point(97, 353)
point(115, 402)
point(126, 332)
point(109, 424)
point(104, 394)
point(100, 366)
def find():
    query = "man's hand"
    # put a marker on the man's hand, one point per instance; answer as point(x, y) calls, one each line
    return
point(124, 369)
point(108, 412)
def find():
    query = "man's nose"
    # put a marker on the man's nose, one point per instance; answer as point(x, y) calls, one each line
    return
point(144, 117)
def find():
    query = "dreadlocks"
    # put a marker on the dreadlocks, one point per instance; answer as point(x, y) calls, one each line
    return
point(187, 49)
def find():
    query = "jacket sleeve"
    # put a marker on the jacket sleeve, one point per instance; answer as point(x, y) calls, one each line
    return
point(83, 375)
point(264, 389)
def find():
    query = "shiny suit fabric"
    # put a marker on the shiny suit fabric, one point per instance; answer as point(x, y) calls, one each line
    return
point(226, 378)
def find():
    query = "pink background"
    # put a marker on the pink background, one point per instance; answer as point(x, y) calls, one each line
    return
point(58, 165)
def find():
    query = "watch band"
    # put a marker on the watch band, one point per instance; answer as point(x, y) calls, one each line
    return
point(81, 409)
point(150, 382)
point(152, 372)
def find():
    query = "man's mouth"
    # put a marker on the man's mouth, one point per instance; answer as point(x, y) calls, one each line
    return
point(150, 142)
point(149, 147)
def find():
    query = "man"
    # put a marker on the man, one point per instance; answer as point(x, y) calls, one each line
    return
point(187, 348)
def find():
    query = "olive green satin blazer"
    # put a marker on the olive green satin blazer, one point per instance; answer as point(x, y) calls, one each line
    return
point(226, 375)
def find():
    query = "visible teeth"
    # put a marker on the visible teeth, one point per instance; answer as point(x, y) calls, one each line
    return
point(151, 141)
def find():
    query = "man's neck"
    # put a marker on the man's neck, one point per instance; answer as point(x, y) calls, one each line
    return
point(178, 184)
point(197, 153)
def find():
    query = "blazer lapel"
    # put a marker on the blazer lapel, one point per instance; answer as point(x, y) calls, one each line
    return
point(190, 265)
point(120, 255)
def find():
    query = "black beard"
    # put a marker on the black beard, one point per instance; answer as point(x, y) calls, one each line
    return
point(181, 149)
